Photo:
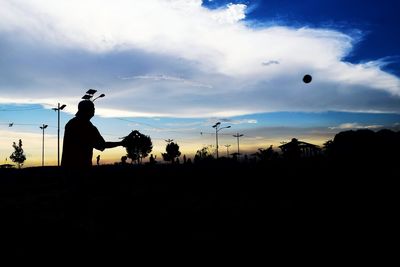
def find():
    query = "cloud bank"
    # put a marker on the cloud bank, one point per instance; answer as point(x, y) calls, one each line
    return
point(178, 58)
point(355, 125)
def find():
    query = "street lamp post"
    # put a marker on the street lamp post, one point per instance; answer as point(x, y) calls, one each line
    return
point(44, 126)
point(238, 136)
point(58, 108)
point(217, 129)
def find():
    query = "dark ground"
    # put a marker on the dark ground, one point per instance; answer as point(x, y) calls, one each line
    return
point(160, 203)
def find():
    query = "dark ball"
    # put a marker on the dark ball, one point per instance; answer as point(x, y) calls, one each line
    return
point(307, 78)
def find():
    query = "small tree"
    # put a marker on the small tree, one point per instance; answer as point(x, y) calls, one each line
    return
point(18, 155)
point(137, 145)
point(172, 152)
point(328, 148)
point(204, 154)
point(266, 154)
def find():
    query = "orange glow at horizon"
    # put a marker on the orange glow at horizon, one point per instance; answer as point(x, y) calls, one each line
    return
point(32, 145)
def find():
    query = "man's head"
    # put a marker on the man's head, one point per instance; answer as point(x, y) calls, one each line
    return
point(85, 109)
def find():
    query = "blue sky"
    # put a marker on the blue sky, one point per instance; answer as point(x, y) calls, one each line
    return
point(171, 69)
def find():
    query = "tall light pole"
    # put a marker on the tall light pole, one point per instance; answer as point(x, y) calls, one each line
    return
point(58, 108)
point(217, 129)
point(44, 126)
point(238, 136)
point(227, 150)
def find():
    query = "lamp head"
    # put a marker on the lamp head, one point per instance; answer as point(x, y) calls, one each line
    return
point(91, 91)
point(102, 95)
point(216, 125)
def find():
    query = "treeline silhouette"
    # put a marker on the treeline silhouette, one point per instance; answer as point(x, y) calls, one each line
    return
point(208, 199)
point(381, 147)
point(348, 147)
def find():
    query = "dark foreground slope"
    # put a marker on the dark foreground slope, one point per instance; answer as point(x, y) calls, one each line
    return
point(218, 201)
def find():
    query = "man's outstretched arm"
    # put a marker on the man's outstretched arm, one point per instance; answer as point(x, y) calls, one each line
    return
point(113, 144)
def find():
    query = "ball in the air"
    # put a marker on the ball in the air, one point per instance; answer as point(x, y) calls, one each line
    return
point(307, 78)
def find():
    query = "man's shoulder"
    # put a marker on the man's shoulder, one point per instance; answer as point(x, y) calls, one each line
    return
point(71, 120)
point(76, 120)
point(76, 123)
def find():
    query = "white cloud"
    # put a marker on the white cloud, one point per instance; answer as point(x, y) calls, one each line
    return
point(270, 62)
point(355, 125)
point(183, 60)
point(167, 78)
point(244, 121)
point(232, 14)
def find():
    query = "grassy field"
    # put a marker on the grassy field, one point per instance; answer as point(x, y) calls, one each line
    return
point(216, 201)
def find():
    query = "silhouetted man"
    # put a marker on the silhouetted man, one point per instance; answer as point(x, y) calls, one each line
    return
point(81, 136)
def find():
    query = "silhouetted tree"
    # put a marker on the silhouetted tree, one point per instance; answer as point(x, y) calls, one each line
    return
point(265, 154)
point(365, 145)
point(354, 145)
point(172, 152)
point(388, 144)
point(138, 146)
point(328, 147)
point(204, 154)
point(18, 155)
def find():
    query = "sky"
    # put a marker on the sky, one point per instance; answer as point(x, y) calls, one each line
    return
point(173, 68)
